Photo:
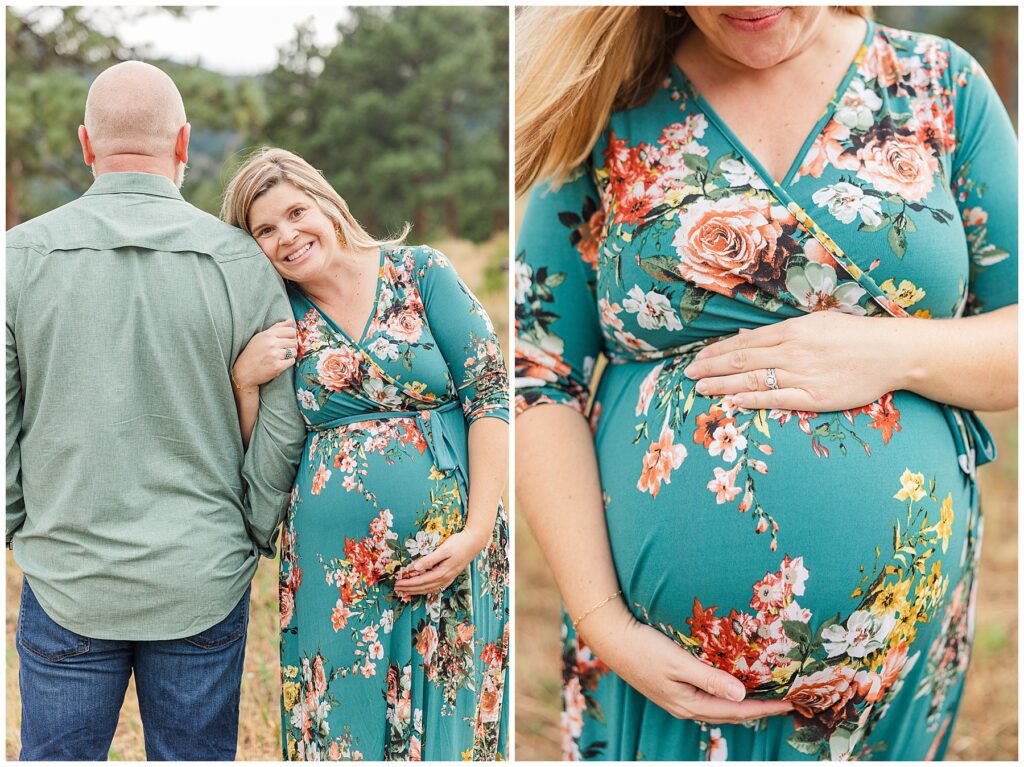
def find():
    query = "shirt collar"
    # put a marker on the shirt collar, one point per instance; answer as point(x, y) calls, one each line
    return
point(138, 183)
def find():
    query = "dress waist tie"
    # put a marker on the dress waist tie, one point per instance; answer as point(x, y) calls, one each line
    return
point(444, 430)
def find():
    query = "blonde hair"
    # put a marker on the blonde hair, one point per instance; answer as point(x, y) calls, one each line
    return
point(268, 167)
point(575, 66)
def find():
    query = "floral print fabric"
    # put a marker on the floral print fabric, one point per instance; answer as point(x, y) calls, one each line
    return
point(367, 674)
point(827, 559)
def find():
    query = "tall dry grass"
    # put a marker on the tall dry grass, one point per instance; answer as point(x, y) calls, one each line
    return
point(484, 268)
point(986, 728)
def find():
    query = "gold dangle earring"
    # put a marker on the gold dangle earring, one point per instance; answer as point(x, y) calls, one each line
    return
point(679, 13)
point(341, 236)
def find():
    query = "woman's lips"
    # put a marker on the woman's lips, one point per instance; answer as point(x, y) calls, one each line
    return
point(754, 21)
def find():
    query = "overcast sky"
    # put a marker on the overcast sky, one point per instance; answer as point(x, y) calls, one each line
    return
point(229, 39)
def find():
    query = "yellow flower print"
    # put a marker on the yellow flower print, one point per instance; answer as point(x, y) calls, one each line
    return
point(923, 314)
point(433, 525)
point(913, 486)
point(467, 755)
point(892, 598)
point(292, 691)
point(436, 474)
point(906, 625)
point(944, 527)
point(293, 753)
point(290, 672)
point(906, 295)
point(930, 590)
point(674, 198)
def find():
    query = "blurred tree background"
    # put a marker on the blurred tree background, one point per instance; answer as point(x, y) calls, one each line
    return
point(406, 114)
point(986, 728)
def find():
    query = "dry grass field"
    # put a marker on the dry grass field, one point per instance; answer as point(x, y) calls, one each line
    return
point(987, 726)
point(259, 730)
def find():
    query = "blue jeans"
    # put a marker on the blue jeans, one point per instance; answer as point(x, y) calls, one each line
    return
point(72, 688)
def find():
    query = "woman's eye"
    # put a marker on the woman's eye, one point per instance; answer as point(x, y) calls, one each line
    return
point(263, 232)
point(297, 213)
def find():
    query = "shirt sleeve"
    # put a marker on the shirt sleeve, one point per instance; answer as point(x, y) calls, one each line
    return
point(275, 446)
point(558, 335)
point(985, 185)
point(15, 401)
point(465, 337)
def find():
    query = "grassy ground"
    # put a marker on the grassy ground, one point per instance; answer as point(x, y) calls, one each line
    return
point(987, 726)
point(259, 727)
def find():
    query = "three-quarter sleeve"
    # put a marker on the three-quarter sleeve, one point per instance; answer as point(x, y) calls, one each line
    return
point(558, 336)
point(465, 337)
point(985, 184)
point(275, 446)
point(15, 401)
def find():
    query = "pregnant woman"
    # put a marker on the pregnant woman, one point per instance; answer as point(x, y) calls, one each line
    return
point(792, 234)
point(394, 567)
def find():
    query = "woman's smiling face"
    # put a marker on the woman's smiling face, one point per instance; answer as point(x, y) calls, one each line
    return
point(758, 36)
point(293, 232)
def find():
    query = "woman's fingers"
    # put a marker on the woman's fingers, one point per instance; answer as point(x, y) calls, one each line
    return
point(751, 381)
point(736, 361)
point(768, 335)
point(711, 708)
point(711, 680)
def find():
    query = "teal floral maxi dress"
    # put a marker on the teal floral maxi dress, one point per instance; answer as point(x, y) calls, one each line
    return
point(827, 559)
point(383, 480)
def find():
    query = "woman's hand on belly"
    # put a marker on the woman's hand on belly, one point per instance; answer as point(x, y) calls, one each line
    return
point(669, 676)
point(823, 362)
point(829, 361)
point(437, 570)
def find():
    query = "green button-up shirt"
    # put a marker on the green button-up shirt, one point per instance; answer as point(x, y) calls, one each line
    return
point(134, 509)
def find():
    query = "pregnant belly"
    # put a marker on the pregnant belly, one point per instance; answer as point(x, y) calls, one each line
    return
point(742, 534)
point(357, 480)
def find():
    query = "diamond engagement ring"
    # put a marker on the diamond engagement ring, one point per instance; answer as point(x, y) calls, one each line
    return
point(769, 379)
point(289, 353)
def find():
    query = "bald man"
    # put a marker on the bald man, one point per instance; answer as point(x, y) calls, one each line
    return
point(133, 509)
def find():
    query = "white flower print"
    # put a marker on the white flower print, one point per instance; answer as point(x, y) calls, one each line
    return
point(652, 309)
point(434, 607)
point(307, 399)
point(387, 621)
point(524, 279)
point(740, 173)
point(726, 441)
point(855, 110)
point(846, 201)
point(384, 348)
point(609, 314)
point(864, 633)
point(381, 393)
point(423, 543)
point(817, 288)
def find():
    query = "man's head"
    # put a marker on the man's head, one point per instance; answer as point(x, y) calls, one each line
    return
point(135, 121)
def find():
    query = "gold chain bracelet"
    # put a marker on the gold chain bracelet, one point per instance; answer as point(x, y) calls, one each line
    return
point(598, 606)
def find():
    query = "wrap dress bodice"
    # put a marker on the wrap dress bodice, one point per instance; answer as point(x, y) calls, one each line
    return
point(826, 559)
point(384, 480)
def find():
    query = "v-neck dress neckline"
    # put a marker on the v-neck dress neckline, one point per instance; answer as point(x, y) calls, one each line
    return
point(680, 78)
point(373, 309)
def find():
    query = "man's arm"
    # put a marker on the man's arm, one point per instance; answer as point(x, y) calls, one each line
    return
point(275, 446)
point(15, 406)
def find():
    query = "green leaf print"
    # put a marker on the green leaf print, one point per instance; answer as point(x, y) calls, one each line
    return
point(807, 740)
point(692, 303)
point(897, 242)
point(664, 268)
point(797, 631)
